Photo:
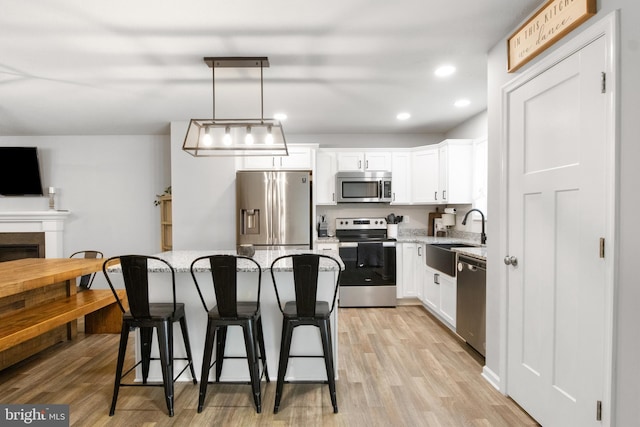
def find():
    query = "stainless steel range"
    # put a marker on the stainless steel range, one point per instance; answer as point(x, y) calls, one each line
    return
point(369, 278)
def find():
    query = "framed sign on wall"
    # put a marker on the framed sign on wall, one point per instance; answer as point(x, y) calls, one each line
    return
point(550, 23)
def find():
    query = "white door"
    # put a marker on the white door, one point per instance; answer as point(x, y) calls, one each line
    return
point(557, 195)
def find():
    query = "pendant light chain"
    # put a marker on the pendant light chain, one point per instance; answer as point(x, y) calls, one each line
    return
point(213, 85)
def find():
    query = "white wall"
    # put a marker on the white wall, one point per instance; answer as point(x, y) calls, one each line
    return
point(108, 183)
point(627, 345)
point(203, 197)
point(474, 128)
point(626, 410)
point(417, 216)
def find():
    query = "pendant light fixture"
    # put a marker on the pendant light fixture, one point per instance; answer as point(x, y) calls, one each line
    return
point(235, 137)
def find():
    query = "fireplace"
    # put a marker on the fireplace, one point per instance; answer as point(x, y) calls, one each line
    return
point(32, 234)
point(21, 245)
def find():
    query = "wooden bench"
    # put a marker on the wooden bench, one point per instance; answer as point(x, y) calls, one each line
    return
point(97, 305)
point(37, 311)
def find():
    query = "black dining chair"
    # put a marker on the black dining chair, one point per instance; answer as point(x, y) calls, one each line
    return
point(305, 309)
point(229, 311)
point(86, 281)
point(146, 316)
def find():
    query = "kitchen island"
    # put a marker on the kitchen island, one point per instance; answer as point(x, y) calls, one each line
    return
point(306, 339)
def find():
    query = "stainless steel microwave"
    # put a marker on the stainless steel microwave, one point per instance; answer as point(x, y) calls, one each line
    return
point(363, 187)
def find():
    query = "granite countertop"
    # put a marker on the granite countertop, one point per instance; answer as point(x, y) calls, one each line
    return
point(476, 252)
point(331, 239)
point(433, 239)
point(181, 260)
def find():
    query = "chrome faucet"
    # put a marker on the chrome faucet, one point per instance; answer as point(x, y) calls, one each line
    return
point(483, 236)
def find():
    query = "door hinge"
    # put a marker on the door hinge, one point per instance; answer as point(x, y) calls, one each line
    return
point(599, 410)
point(603, 82)
point(602, 247)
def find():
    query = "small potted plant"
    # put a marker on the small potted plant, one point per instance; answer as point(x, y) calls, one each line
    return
point(167, 192)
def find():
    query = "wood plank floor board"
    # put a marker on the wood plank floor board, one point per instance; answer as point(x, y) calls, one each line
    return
point(397, 367)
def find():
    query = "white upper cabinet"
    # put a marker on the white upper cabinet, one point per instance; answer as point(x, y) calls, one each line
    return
point(350, 161)
point(442, 173)
point(456, 171)
point(325, 178)
point(377, 161)
point(425, 175)
point(299, 158)
point(401, 177)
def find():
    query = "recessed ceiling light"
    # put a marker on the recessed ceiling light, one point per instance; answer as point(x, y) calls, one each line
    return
point(280, 116)
point(462, 103)
point(403, 116)
point(445, 70)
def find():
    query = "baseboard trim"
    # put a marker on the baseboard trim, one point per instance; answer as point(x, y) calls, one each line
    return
point(491, 377)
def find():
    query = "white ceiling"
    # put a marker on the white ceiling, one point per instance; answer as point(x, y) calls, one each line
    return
point(79, 67)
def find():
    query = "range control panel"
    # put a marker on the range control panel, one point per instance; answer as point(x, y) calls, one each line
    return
point(360, 223)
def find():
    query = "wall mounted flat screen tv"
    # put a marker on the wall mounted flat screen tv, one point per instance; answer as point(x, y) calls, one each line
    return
point(20, 172)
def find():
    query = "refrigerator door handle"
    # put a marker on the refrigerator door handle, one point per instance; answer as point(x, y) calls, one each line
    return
point(275, 208)
point(269, 219)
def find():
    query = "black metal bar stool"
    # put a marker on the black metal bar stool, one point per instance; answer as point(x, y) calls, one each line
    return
point(228, 311)
point(305, 310)
point(147, 316)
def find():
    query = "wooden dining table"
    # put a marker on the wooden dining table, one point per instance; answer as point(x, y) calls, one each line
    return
point(40, 305)
point(28, 274)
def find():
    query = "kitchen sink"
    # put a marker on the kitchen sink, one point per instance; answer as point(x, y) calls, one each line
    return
point(440, 256)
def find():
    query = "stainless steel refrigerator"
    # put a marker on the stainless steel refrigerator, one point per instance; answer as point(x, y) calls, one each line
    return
point(273, 209)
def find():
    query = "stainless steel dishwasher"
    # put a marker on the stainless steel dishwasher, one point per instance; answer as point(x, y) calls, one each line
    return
point(471, 302)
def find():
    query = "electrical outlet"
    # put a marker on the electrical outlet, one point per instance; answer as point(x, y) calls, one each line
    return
point(406, 219)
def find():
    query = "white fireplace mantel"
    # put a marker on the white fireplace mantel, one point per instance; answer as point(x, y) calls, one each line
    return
point(50, 222)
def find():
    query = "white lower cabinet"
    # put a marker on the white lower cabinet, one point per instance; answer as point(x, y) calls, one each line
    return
point(431, 288)
point(326, 246)
point(410, 270)
point(448, 297)
point(440, 295)
point(406, 260)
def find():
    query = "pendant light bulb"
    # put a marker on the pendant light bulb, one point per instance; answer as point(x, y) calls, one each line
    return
point(226, 140)
point(248, 139)
point(207, 140)
point(269, 138)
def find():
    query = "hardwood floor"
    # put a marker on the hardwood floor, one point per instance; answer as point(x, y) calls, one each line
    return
point(397, 367)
